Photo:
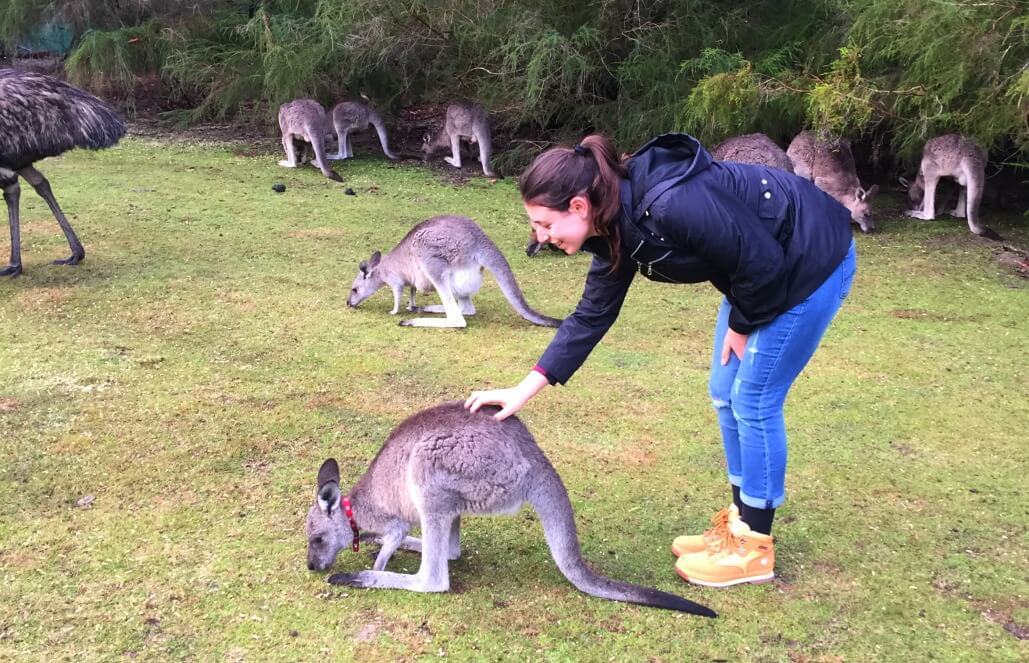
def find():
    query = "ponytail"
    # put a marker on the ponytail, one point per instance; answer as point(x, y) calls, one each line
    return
point(592, 169)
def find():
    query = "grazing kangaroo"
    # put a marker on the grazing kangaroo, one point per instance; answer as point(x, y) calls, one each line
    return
point(463, 121)
point(756, 149)
point(302, 121)
point(951, 155)
point(445, 254)
point(436, 466)
point(354, 116)
point(831, 167)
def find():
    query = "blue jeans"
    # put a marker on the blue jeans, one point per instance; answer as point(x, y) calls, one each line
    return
point(749, 395)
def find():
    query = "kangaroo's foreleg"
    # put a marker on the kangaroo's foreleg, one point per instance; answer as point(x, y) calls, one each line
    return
point(959, 209)
point(398, 294)
point(390, 543)
point(42, 187)
point(433, 574)
point(412, 305)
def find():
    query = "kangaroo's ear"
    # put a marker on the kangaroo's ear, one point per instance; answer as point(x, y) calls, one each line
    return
point(374, 262)
point(859, 193)
point(328, 497)
point(363, 267)
point(328, 472)
point(904, 182)
point(870, 193)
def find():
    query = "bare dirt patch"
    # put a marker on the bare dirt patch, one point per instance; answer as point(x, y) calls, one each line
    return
point(44, 299)
point(9, 404)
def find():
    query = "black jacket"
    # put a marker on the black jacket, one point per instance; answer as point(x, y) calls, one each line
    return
point(765, 238)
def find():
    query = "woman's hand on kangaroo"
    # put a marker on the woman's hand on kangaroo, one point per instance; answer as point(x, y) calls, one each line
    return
point(510, 400)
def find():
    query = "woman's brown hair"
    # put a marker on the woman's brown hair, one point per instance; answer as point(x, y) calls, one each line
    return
point(593, 169)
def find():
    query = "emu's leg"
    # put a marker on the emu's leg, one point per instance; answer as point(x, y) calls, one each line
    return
point(42, 187)
point(12, 192)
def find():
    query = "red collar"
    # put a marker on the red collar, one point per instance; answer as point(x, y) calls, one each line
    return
point(344, 502)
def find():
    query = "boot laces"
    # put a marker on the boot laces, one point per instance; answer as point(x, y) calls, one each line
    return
point(720, 534)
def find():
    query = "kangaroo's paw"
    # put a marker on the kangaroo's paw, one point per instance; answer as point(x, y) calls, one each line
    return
point(287, 164)
point(957, 214)
point(919, 214)
point(989, 234)
point(361, 579)
point(451, 161)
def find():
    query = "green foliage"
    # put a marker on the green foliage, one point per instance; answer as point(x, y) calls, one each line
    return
point(113, 59)
point(945, 66)
point(904, 69)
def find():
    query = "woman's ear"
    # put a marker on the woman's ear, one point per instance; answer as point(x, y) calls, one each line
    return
point(580, 205)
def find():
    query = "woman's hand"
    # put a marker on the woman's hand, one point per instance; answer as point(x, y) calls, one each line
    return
point(510, 400)
point(735, 342)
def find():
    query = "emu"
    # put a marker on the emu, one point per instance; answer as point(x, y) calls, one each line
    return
point(41, 116)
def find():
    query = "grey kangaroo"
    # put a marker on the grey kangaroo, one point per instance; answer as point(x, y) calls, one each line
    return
point(445, 254)
point(302, 122)
point(436, 466)
point(756, 149)
point(354, 116)
point(830, 165)
point(463, 121)
point(952, 155)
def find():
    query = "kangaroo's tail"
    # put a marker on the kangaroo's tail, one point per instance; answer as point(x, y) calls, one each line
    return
point(493, 260)
point(317, 138)
point(380, 128)
point(550, 499)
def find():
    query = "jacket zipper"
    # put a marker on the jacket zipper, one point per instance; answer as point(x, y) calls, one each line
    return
point(650, 265)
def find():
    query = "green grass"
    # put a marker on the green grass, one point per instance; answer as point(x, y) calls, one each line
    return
point(196, 369)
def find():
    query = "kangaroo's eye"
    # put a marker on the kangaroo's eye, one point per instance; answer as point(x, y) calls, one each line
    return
point(317, 540)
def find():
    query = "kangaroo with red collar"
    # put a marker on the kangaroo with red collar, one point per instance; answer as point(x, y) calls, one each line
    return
point(436, 466)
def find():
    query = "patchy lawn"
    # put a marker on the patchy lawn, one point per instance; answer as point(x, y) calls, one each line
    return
point(165, 405)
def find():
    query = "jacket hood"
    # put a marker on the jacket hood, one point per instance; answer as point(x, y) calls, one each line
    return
point(659, 165)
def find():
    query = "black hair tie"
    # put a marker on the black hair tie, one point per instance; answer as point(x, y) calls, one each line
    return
point(580, 150)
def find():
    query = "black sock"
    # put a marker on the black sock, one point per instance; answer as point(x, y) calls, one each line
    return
point(736, 498)
point(759, 520)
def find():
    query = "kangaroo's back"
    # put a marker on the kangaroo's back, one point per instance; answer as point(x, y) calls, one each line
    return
point(757, 149)
point(302, 117)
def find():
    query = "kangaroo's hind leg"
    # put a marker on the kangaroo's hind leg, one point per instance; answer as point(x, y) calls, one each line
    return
point(455, 149)
point(439, 275)
point(433, 574)
point(291, 156)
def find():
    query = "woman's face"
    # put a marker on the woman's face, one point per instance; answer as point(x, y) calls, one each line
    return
point(566, 230)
